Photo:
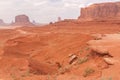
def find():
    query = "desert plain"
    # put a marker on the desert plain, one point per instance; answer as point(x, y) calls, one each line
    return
point(87, 48)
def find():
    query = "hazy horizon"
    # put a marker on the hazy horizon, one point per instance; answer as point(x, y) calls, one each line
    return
point(44, 11)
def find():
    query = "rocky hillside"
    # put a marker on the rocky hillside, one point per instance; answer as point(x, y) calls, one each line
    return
point(102, 11)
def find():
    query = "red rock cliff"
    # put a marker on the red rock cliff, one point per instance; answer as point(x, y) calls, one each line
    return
point(102, 11)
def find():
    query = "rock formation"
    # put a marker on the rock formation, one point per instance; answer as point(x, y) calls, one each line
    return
point(59, 19)
point(102, 11)
point(22, 20)
point(2, 23)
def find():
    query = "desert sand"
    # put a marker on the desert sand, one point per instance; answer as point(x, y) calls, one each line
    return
point(65, 50)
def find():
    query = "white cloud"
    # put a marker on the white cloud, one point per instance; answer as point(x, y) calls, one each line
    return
point(43, 10)
point(70, 5)
point(40, 3)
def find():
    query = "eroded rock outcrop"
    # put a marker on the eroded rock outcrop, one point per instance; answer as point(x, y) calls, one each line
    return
point(2, 23)
point(22, 20)
point(102, 11)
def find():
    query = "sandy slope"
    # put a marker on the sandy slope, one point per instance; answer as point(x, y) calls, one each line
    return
point(58, 51)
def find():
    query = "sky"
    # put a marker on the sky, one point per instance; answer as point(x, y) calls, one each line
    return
point(44, 11)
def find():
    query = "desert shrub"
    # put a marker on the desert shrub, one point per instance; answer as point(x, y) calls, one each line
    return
point(82, 60)
point(87, 48)
point(27, 73)
point(13, 77)
point(88, 71)
point(62, 70)
point(106, 78)
point(81, 51)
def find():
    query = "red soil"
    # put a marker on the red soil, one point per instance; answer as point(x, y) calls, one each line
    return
point(45, 53)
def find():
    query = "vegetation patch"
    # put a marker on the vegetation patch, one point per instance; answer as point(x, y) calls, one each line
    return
point(88, 72)
point(82, 60)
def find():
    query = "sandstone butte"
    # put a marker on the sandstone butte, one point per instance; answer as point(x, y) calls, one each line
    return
point(22, 20)
point(66, 50)
point(2, 23)
point(102, 11)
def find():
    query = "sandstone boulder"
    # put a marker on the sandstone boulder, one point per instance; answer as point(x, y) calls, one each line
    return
point(110, 61)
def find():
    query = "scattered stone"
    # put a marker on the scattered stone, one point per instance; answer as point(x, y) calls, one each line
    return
point(110, 61)
point(72, 59)
point(70, 55)
point(99, 50)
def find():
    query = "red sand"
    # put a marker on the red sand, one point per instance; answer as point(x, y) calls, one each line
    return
point(58, 51)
